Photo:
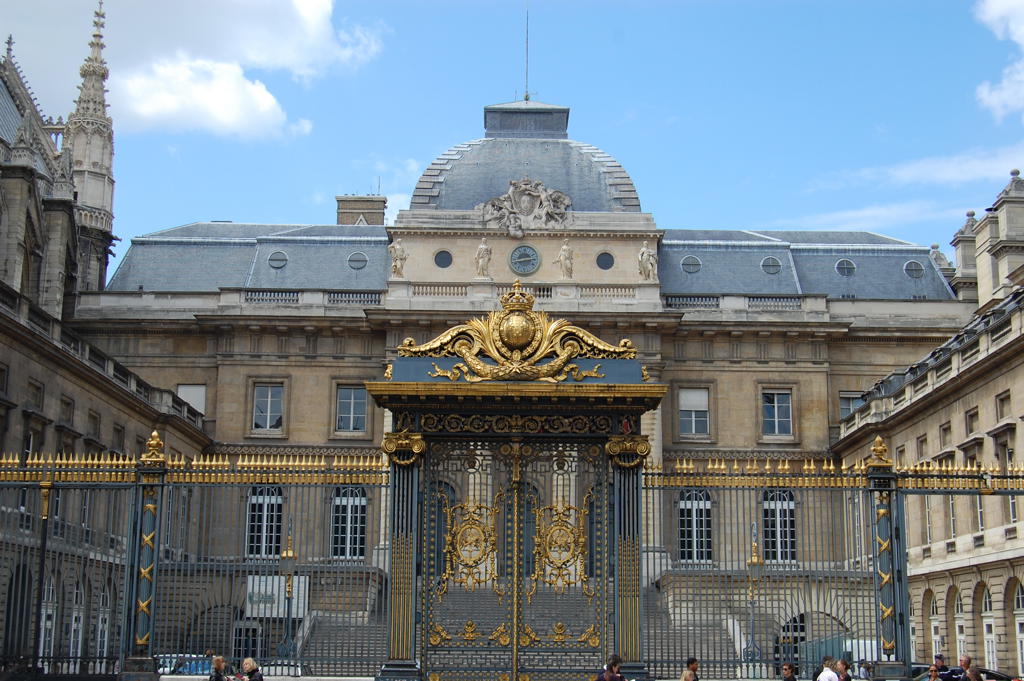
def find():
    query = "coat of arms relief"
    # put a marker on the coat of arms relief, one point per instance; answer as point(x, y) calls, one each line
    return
point(528, 204)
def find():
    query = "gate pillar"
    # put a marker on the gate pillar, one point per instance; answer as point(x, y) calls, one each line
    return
point(627, 454)
point(151, 469)
point(890, 564)
point(404, 450)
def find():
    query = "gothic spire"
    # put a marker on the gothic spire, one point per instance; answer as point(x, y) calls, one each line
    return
point(10, 47)
point(92, 93)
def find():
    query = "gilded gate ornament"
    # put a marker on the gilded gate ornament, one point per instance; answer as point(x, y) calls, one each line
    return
point(471, 546)
point(560, 549)
point(403, 448)
point(508, 345)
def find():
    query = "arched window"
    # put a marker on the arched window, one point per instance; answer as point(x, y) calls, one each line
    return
point(778, 514)
point(348, 522)
point(264, 523)
point(959, 626)
point(988, 629)
point(103, 627)
point(48, 630)
point(694, 526)
point(1018, 626)
point(77, 626)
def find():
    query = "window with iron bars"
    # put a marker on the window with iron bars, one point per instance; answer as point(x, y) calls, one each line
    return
point(348, 523)
point(778, 514)
point(695, 526)
point(263, 538)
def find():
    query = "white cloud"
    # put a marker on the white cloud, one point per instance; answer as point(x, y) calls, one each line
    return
point(1005, 18)
point(955, 169)
point(197, 94)
point(189, 48)
point(875, 217)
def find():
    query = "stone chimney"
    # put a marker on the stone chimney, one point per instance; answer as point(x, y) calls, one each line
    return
point(361, 210)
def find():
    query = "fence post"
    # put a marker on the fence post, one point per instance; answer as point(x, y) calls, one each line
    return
point(627, 454)
point(890, 563)
point(151, 470)
point(405, 452)
point(45, 487)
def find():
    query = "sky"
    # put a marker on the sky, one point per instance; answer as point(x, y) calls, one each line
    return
point(894, 116)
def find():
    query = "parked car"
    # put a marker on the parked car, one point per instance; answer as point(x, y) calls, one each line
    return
point(290, 668)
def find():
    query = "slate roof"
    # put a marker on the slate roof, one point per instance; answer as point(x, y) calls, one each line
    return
point(731, 262)
point(518, 146)
point(207, 256)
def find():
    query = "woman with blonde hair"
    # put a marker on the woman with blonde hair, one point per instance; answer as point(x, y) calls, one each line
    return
point(251, 669)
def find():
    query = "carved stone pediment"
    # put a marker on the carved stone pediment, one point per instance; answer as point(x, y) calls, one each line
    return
point(528, 204)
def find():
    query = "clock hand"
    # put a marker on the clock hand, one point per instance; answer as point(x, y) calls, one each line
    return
point(526, 259)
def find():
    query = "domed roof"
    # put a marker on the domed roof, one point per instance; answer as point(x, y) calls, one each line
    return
point(525, 139)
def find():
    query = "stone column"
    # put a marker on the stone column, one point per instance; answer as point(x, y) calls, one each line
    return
point(405, 451)
point(627, 454)
point(151, 470)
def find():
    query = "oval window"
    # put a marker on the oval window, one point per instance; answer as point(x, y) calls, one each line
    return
point(691, 264)
point(846, 268)
point(443, 259)
point(605, 261)
point(357, 260)
point(278, 259)
point(771, 265)
point(914, 269)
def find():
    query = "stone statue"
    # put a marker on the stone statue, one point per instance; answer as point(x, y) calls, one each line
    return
point(648, 262)
point(398, 258)
point(483, 258)
point(528, 204)
point(564, 259)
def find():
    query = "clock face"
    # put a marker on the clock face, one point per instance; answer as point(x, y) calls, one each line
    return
point(524, 259)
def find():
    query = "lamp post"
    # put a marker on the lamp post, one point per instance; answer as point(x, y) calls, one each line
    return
point(755, 567)
point(286, 567)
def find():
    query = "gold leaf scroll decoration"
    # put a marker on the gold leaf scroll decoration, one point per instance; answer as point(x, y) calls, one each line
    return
point(510, 344)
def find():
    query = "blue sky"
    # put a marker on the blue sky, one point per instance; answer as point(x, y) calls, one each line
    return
point(895, 116)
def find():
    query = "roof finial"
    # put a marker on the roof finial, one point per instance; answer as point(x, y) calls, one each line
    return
point(10, 46)
point(526, 90)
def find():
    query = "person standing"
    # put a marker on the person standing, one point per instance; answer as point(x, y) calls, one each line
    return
point(690, 673)
point(843, 670)
point(827, 672)
point(788, 672)
point(611, 670)
point(933, 672)
point(217, 669)
point(940, 663)
point(252, 670)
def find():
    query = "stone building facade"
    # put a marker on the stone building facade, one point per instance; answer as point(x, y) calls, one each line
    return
point(261, 337)
point(957, 409)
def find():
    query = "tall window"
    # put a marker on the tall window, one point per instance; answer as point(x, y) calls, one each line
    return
point(351, 416)
point(952, 516)
point(1018, 626)
point(267, 406)
point(778, 514)
point(776, 412)
point(927, 519)
point(48, 630)
point(935, 627)
point(348, 522)
point(103, 626)
point(264, 530)
point(694, 526)
point(960, 624)
point(988, 629)
point(693, 411)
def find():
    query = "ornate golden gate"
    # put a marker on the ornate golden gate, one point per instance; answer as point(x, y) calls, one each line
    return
point(516, 483)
